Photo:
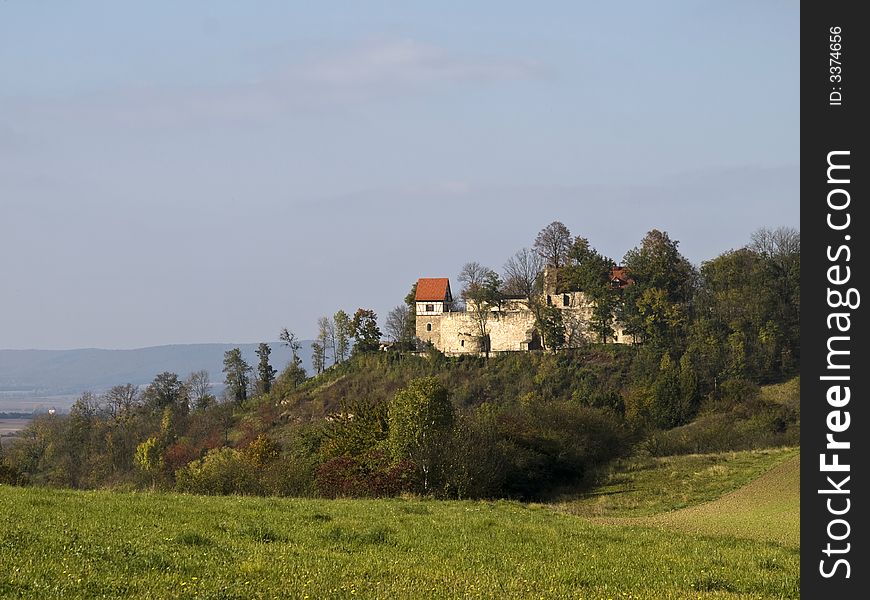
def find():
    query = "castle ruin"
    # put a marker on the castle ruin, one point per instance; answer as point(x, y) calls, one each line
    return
point(454, 329)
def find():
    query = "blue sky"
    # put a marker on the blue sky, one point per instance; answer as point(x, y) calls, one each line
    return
point(207, 171)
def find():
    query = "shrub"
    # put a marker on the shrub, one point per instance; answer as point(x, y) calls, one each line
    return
point(220, 472)
point(371, 475)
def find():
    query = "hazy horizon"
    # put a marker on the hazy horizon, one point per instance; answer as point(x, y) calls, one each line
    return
point(206, 171)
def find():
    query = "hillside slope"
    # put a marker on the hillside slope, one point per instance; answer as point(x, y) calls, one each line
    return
point(766, 509)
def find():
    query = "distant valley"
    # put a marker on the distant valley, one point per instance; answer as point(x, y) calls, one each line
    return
point(37, 380)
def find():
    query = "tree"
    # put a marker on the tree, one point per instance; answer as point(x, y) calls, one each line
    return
point(365, 330)
point(411, 304)
point(589, 271)
point(326, 338)
point(522, 275)
point(199, 389)
point(265, 372)
point(553, 243)
point(657, 306)
point(523, 278)
point(166, 390)
point(318, 357)
point(342, 328)
point(420, 417)
point(666, 397)
point(236, 370)
point(397, 327)
point(482, 293)
point(149, 458)
point(121, 399)
point(294, 372)
point(552, 328)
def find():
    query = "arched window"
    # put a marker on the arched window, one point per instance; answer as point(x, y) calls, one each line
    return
point(428, 326)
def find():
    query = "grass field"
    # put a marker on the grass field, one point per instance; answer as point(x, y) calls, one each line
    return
point(64, 544)
point(644, 486)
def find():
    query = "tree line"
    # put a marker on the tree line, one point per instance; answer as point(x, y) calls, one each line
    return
point(379, 423)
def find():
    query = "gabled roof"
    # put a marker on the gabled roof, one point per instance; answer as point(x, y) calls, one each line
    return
point(619, 277)
point(433, 289)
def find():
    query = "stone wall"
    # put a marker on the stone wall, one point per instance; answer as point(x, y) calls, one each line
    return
point(510, 330)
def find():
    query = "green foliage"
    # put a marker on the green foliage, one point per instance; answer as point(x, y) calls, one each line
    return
point(236, 370)
point(552, 328)
point(294, 374)
point(420, 417)
point(365, 331)
point(656, 306)
point(149, 457)
point(265, 372)
point(220, 472)
point(343, 332)
point(166, 390)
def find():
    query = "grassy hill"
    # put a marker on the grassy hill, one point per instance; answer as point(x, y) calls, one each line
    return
point(66, 544)
point(768, 508)
point(750, 494)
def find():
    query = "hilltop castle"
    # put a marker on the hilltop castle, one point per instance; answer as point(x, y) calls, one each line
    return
point(453, 329)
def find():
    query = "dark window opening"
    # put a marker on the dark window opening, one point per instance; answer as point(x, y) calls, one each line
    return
point(430, 308)
point(566, 300)
point(462, 343)
point(428, 326)
point(549, 300)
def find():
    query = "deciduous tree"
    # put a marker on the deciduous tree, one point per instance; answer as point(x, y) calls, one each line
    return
point(553, 243)
point(420, 418)
point(236, 370)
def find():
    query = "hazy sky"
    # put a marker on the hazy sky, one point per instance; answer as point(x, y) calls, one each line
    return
point(210, 171)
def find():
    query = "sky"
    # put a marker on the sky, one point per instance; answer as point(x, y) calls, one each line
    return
point(215, 170)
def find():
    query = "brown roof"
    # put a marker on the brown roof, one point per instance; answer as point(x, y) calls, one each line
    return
point(433, 289)
point(620, 276)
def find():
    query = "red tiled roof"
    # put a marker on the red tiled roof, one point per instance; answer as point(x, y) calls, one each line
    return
point(434, 289)
point(620, 275)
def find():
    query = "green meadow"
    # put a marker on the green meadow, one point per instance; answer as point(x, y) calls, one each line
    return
point(70, 544)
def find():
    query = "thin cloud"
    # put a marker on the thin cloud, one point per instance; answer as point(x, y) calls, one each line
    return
point(361, 73)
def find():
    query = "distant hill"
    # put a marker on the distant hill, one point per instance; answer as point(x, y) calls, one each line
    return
point(33, 379)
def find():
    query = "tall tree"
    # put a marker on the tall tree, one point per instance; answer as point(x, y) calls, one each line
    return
point(265, 372)
point(199, 389)
point(236, 370)
point(365, 330)
point(326, 339)
point(553, 243)
point(295, 372)
point(411, 304)
point(589, 271)
point(397, 327)
point(658, 305)
point(482, 293)
point(522, 275)
point(318, 357)
point(341, 324)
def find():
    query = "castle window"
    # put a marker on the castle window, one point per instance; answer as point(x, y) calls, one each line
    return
point(566, 300)
point(549, 300)
point(462, 343)
point(428, 326)
point(430, 308)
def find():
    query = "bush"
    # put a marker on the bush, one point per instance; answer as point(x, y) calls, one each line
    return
point(220, 472)
point(369, 476)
